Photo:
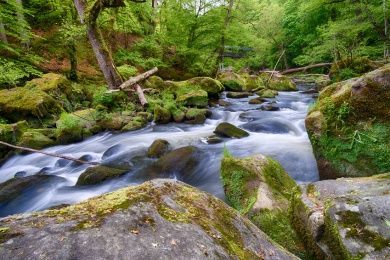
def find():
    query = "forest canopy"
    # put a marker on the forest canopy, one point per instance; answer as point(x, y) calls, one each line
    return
point(185, 38)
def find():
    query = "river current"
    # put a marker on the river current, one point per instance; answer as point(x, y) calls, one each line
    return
point(280, 134)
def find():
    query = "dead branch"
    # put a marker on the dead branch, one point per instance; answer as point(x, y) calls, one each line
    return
point(134, 80)
point(48, 154)
point(319, 65)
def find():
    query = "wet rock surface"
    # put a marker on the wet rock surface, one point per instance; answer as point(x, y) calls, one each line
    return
point(346, 218)
point(162, 219)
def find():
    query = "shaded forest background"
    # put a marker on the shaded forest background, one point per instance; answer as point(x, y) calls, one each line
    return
point(187, 38)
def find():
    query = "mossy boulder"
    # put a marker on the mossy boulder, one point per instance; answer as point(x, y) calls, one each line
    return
point(267, 93)
point(228, 130)
point(35, 139)
point(178, 115)
point(162, 115)
point(345, 218)
point(196, 98)
point(136, 123)
point(253, 82)
point(212, 86)
point(256, 101)
point(349, 126)
point(158, 219)
point(238, 94)
point(278, 82)
point(231, 81)
point(14, 187)
point(158, 148)
point(77, 126)
point(260, 188)
point(155, 82)
point(99, 174)
point(11, 133)
point(58, 87)
point(22, 103)
point(179, 163)
point(197, 116)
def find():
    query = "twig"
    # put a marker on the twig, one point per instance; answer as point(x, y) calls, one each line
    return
point(48, 154)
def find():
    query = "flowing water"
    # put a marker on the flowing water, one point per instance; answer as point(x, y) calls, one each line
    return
point(280, 134)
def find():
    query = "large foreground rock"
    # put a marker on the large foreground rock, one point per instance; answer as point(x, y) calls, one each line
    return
point(346, 218)
point(260, 188)
point(349, 126)
point(162, 219)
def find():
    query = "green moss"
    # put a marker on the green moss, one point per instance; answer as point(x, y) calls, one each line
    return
point(6, 234)
point(267, 93)
point(161, 115)
point(135, 124)
point(211, 86)
point(192, 96)
point(366, 149)
point(357, 229)
point(333, 238)
point(21, 103)
point(282, 84)
point(35, 139)
point(231, 81)
point(277, 225)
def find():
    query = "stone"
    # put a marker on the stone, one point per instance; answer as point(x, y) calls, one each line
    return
point(267, 93)
point(196, 98)
point(197, 116)
point(12, 188)
point(21, 103)
point(212, 86)
point(135, 124)
point(231, 81)
point(178, 163)
point(259, 187)
point(228, 130)
point(161, 219)
point(256, 101)
point(270, 107)
point(214, 139)
point(58, 87)
point(161, 115)
point(345, 218)
point(35, 139)
point(98, 174)
point(253, 82)
point(223, 103)
point(158, 148)
point(349, 126)
point(238, 94)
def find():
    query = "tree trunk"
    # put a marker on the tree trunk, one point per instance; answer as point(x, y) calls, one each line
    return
point(319, 65)
point(386, 40)
point(23, 32)
point(221, 49)
point(103, 56)
point(134, 80)
point(73, 62)
point(3, 36)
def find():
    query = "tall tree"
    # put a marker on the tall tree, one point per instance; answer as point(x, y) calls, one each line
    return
point(102, 53)
point(228, 18)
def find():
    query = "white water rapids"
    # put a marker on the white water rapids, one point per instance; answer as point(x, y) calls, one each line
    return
point(279, 134)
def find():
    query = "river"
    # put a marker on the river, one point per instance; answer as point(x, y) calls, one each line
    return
point(279, 134)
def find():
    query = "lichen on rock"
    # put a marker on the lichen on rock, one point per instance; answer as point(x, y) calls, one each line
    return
point(169, 218)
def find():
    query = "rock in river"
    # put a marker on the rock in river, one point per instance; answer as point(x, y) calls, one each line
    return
point(161, 219)
point(228, 130)
point(179, 163)
point(158, 148)
point(98, 174)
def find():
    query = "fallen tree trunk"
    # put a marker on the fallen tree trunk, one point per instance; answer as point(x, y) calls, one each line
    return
point(134, 80)
point(48, 154)
point(319, 65)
